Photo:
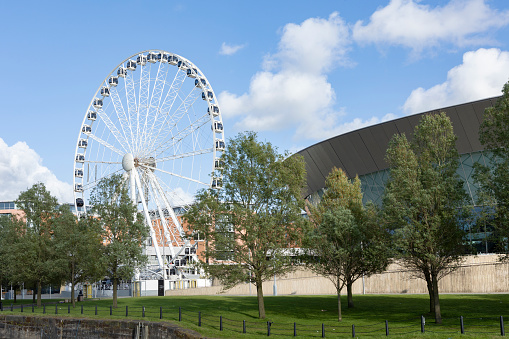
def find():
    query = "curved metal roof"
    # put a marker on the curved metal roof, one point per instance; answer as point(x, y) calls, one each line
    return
point(363, 151)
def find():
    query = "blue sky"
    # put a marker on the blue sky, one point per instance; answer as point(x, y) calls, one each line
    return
point(297, 72)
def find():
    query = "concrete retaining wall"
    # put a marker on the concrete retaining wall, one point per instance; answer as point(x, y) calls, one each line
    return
point(477, 274)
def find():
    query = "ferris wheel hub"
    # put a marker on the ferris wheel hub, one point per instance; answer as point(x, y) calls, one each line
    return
point(128, 162)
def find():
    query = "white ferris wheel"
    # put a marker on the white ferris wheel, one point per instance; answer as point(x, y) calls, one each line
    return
point(154, 119)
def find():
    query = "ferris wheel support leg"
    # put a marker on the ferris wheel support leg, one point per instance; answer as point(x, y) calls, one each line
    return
point(169, 208)
point(148, 220)
point(174, 218)
point(133, 186)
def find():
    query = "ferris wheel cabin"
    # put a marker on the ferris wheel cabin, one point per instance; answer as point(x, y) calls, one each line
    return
point(220, 145)
point(215, 110)
point(98, 103)
point(218, 126)
point(141, 60)
point(122, 72)
point(86, 129)
point(82, 143)
point(200, 83)
point(113, 81)
point(105, 91)
point(217, 183)
point(163, 57)
point(80, 158)
point(152, 57)
point(78, 173)
point(209, 96)
point(192, 72)
point(91, 115)
point(78, 188)
point(131, 65)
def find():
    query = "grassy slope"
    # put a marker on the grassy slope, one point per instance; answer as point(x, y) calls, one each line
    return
point(480, 312)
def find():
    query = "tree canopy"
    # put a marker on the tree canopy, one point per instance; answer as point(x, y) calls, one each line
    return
point(253, 224)
point(348, 241)
point(493, 179)
point(423, 202)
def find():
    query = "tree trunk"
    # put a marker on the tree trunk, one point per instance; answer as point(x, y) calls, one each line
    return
point(115, 283)
point(259, 294)
point(429, 284)
point(438, 314)
point(33, 293)
point(340, 317)
point(73, 286)
point(13, 290)
point(39, 296)
point(349, 293)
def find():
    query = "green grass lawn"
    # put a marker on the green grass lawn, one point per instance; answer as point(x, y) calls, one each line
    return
point(480, 312)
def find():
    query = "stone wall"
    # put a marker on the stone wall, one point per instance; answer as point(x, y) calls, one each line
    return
point(32, 327)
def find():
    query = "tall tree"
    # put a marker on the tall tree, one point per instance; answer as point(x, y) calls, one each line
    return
point(494, 178)
point(124, 230)
point(38, 261)
point(7, 257)
point(79, 243)
point(423, 202)
point(348, 241)
point(254, 222)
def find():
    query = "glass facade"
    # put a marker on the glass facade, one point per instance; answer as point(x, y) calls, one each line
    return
point(478, 228)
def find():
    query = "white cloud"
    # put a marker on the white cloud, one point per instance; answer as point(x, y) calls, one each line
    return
point(293, 91)
point(230, 49)
point(417, 26)
point(21, 167)
point(481, 75)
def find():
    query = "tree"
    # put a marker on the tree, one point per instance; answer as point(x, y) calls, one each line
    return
point(423, 202)
point(348, 241)
point(494, 178)
point(253, 223)
point(7, 260)
point(79, 243)
point(37, 260)
point(124, 230)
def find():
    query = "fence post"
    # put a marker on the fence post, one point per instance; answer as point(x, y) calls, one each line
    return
point(81, 308)
point(294, 329)
point(95, 309)
point(126, 311)
point(353, 331)
point(12, 307)
point(43, 309)
point(21, 308)
point(323, 330)
point(387, 328)
point(502, 330)
point(268, 328)
point(69, 309)
point(111, 310)
point(423, 322)
point(143, 312)
point(243, 326)
point(462, 327)
point(33, 308)
point(199, 318)
point(220, 323)
point(56, 309)
point(180, 313)
point(161, 312)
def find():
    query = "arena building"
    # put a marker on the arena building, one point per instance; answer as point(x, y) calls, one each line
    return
point(362, 152)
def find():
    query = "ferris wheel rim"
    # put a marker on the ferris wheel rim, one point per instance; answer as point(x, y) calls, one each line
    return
point(201, 75)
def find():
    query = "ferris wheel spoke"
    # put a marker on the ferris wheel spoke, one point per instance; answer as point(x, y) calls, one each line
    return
point(180, 112)
point(181, 135)
point(102, 162)
point(105, 144)
point(155, 101)
point(132, 112)
point(113, 129)
point(169, 100)
point(185, 155)
point(171, 212)
point(143, 103)
point(121, 115)
point(91, 184)
point(148, 220)
point(173, 174)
